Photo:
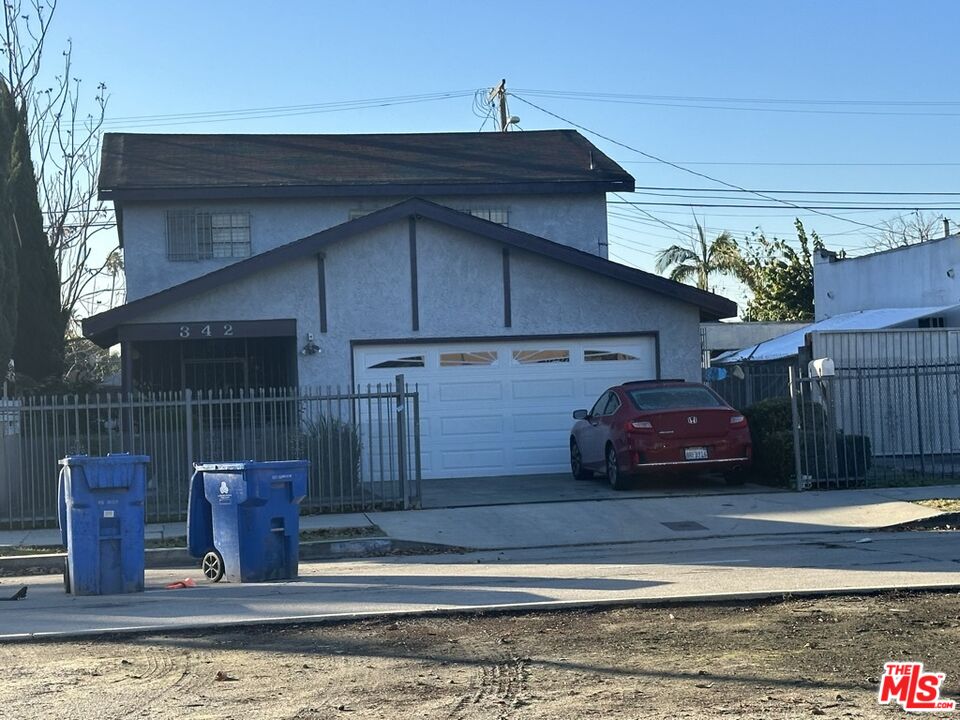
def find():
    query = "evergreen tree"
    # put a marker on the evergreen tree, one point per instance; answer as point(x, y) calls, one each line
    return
point(9, 280)
point(39, 345)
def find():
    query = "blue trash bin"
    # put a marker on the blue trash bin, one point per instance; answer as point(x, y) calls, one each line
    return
point(101, 507)
point(243, 519)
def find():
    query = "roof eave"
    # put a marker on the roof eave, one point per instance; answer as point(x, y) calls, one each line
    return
point(263, 192)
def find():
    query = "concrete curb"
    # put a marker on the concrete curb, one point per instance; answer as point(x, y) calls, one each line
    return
point(500, 609)
point(179, 557)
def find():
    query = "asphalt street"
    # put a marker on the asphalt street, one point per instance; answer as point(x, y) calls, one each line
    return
point(692, 569)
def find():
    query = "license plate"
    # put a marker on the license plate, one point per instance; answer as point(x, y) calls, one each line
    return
point(699, 453)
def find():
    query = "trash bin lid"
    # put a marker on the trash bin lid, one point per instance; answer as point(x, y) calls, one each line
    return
point(114, 471)
point(249, 465)
point(109, 459)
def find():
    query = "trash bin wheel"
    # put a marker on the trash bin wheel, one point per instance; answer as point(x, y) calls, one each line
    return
point(212, 566)
point(66, 575)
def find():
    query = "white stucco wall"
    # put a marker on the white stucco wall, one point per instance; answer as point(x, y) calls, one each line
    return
point(460, 281)
point(914, 276)
point(576, 220)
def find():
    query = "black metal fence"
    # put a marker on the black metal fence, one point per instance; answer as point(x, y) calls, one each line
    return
point(877, 426)
point(363, 445)
point(749, 383)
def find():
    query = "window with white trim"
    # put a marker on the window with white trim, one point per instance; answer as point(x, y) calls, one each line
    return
point(193, 235)
point(501, 216)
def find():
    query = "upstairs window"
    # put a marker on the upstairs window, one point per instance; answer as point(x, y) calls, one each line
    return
point(193, 235)
point(931, 322)
point(494, 215)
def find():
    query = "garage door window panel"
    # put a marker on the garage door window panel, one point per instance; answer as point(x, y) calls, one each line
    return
point(540, 357)
point(607, 356)
point(479, 358)
point(409, 361)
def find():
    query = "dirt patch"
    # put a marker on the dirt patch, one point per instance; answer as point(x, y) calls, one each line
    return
point(341, 533)
point(942, 504)
point(789, 659)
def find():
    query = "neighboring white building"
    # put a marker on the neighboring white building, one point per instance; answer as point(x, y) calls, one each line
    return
point(718, 338)
point(917, 276)
point(913, 287)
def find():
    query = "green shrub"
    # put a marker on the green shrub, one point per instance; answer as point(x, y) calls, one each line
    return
point(773, 456)
point(333, 448)
point(772, 415)
point(771, 430)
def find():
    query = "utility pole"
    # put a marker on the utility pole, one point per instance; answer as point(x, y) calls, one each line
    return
point(499, 93)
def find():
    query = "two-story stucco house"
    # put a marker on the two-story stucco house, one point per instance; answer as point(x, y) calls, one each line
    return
point(473, 263)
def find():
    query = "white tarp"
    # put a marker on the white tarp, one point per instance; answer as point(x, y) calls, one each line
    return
point(787, 345)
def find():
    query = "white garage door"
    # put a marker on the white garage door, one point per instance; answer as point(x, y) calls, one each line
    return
point(504, 408)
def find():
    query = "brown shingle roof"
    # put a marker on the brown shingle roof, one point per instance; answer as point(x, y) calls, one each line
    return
point(157, 166)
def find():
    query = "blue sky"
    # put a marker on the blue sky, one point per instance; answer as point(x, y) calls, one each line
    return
point(173, 58)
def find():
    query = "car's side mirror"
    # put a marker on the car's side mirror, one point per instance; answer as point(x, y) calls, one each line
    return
point(579, 414)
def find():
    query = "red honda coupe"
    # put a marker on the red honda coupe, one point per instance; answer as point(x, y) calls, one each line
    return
point(656, 426)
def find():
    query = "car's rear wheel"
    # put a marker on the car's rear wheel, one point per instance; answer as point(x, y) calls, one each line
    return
point(576, 463)
point(614, 476)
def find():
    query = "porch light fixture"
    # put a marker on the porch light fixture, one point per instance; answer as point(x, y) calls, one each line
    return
point(311, 348)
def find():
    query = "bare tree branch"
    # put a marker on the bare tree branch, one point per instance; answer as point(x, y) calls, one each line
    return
point(65, 136)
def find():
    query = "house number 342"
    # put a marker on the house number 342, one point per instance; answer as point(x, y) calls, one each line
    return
point(208, 330)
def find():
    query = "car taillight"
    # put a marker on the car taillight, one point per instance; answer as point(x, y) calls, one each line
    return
point(738, 420)
point(639, 426)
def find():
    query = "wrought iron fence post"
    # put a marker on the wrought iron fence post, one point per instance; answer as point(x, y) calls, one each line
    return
point(402, 441)
point(417, 466)
point(794, 410)
point(188, 427)
point(917, 403)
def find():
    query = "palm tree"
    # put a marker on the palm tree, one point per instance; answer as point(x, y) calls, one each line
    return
point(698, 260)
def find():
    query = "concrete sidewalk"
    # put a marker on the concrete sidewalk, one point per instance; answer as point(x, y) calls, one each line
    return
point(51, 537)
point(612, 520)
point(542, 579)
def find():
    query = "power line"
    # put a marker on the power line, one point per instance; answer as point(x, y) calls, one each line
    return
point(147, 121)
point(782, 163)
point(702, 98)
point(692, 172)
point(813, 208)
point(641, 188)
point(738, 106)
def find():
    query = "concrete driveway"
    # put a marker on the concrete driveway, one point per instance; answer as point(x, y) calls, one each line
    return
point(626, 518)
point(562, 487)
